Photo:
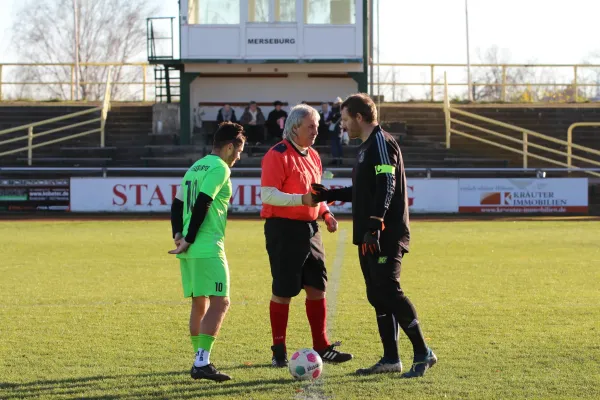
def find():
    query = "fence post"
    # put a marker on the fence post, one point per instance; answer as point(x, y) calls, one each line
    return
point(447, 111)
point(72, 82)
point(144, 83)
point(105, 106)
point(432, 83)
point(503, 95)
point(570, 147)
point(524, 149)
point(29, 144)
point(575, 83)
point(0, 82)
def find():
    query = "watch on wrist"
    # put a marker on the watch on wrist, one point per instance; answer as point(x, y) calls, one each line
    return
point(325, 213)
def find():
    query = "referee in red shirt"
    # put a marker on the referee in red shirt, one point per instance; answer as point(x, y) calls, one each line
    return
point(292, 234)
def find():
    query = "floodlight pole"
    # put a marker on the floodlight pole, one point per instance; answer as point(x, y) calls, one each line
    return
point(378, 66)
point(76, 37)
point(470, 84)
point(371, 55)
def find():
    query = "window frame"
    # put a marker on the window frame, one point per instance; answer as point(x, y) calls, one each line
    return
point(199, 14)
point(305, 16)
point(272, 17)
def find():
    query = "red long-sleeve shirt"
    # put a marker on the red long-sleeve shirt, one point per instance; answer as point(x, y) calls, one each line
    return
point(285, 168)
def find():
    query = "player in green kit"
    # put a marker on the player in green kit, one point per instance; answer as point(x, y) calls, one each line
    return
point(198, 219)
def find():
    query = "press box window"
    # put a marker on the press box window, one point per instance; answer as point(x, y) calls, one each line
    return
point(214, 12)
point(265, 11)
point(330, 12)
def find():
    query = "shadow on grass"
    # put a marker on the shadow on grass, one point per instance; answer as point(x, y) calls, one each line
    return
point(253, 366)
point(172, 384)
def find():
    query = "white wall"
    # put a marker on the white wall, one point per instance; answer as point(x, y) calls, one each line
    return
point(293, 89)
point(302, 41)
point(292, 42)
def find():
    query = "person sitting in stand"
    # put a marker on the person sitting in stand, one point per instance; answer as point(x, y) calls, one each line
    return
point(253, 121)
point(276, 122)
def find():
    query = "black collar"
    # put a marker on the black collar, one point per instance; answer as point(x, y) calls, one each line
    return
point(375, 130)
point(295, 148)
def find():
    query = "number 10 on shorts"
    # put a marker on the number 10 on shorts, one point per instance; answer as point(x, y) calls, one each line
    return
point(218, 286)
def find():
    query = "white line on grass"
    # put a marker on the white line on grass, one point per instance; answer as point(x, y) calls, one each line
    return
point(316, 390)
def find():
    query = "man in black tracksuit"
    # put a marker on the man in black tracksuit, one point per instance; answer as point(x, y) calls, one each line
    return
point(381, 232)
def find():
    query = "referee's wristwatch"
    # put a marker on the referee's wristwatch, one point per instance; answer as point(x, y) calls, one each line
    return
point(325, 213)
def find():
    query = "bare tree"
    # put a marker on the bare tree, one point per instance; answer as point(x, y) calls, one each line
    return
point(591, 75)
point(108, 31)
point(488, 80)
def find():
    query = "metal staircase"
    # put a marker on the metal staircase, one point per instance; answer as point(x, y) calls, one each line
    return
point(160, 49)
point(167, 86)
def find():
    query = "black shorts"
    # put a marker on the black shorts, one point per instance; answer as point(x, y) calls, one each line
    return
point(382, 273)
point(296, 255)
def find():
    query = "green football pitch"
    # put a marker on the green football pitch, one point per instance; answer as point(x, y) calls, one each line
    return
point(94, 309)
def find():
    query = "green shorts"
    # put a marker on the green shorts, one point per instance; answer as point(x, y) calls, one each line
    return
point(204, 276)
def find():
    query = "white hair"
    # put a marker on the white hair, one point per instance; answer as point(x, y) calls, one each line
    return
point(296, 117)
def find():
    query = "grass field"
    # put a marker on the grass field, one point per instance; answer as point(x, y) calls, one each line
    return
point(94, 310)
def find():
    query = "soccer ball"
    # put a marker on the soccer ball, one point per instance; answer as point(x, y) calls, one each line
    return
point(306, 364)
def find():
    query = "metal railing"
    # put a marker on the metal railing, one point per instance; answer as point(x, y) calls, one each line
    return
point(524, 141)
point(61, 77)
point(539, 173)
point(517, 83)
point(159, 35)
point(30, 136)
point(521, 83)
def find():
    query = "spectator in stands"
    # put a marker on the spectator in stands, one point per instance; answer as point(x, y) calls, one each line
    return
point(335, 132)
point(323, 123)
point(253, 121)
point(276, 122)
point(226, 113)
point(198, 114)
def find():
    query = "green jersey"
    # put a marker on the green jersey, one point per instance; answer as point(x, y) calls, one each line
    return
point(209, 175)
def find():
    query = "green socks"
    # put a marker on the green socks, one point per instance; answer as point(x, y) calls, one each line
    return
point(202, 346)
point(202, 341)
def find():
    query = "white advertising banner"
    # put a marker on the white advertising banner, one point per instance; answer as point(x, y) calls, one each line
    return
point(123, 194)
point(552, 195)
point(432, 195)
point(156, 195)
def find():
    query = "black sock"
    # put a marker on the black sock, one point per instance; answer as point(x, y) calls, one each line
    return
point(407, 317)
point(388, 331)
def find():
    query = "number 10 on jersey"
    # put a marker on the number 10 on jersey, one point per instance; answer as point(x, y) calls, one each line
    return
point(192, 194)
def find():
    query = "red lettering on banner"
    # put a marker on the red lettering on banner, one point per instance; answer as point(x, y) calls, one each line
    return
point(120, 194)
point(411, 200)
point(238, 196)
point(138, 193)
point(157, 195)
point(174, 189)
point(255, 195)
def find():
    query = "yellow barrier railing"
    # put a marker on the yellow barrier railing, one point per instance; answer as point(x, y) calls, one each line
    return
point(519, 83)
point(524, 141)
point(137, 73)
point(571, 145)
point(30, 136)
point(522, 83)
